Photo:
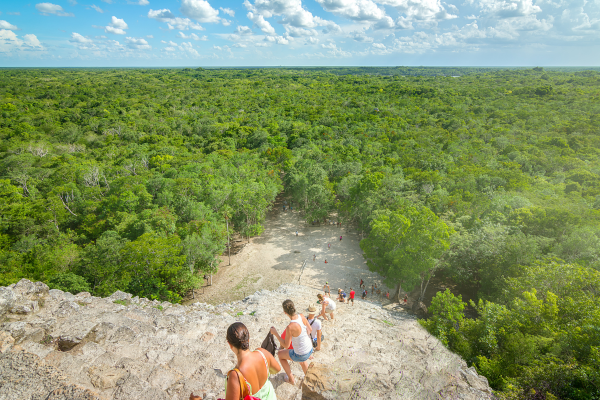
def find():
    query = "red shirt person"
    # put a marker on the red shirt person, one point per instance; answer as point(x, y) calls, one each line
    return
point(351, 298)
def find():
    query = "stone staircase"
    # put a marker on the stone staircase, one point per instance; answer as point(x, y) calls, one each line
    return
point(59, 346)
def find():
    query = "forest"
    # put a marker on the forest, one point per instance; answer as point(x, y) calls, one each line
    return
point(129, 179)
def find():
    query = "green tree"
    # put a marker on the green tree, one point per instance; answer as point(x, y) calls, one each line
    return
point(405, 245)
point(157, 268)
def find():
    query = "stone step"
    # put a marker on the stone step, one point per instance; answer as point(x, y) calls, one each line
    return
point(136, 348)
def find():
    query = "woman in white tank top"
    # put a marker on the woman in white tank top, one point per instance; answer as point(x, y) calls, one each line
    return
point(327, 306)
point(298, 335)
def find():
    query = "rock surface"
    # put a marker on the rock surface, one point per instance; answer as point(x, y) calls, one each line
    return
point(87, 348)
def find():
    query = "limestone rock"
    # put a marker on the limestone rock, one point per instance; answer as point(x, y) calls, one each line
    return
point(322, 382)
point(81, 347)
point(7, 300)
point(31, 290)
point(118, 295)
point(6, 342)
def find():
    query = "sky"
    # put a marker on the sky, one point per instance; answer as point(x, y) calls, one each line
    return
point(205, 33)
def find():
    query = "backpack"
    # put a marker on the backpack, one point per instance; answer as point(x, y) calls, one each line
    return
point(269, 344)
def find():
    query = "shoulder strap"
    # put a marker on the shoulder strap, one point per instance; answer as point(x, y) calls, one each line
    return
point(266, 362)
point(313, 321)
point(242, 383)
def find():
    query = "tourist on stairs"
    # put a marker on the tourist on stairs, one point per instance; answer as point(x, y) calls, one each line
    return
point(251, 373)
point(296, 333)
point(328, 306)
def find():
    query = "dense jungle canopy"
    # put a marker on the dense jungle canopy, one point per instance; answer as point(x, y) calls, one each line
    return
point(123, 180)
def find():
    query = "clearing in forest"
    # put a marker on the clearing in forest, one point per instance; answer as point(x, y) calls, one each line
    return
point(278, 256)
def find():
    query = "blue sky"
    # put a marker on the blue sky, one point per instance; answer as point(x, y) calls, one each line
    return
point(74, 33)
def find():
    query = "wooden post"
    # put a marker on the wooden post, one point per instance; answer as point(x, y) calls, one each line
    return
point(228, 241)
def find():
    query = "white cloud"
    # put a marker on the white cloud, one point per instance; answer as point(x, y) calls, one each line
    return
point(173, 22)
point(31, 42)
point(357, 10)
point(419, 10)
point(243, 30)
point(78, 38)
point(261, 23)
point(7, 25)
point(116, 31)
point(95, 7)
point(240, 45)
point(379, 46)
point(388, 23)
point(509, 9)
point(299, 32)
point(118, 23)
point(139, 2)
point(200, 10)
point(163, 15)
point(73, 2)
point(225, 22)
point(278, 39)
point(292, 11)
point(11, 43)
point(81, 42)
point(52, 9)
point(137, 43)
point(150, 36)
point(185, 47)
point(360, 36)
point(116, 26)
point(228, 11)
point(335, 51)
point(192, 36)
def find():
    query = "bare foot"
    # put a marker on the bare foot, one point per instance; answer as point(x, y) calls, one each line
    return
point(289, 380)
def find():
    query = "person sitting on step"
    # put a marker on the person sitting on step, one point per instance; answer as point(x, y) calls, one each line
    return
point(251, 373)
point(296, 333)
point(316, 326)
point(341, 296)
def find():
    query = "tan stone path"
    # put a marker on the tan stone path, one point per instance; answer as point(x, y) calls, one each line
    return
point(277, 257)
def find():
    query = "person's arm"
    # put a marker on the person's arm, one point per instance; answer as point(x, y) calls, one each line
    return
point(305, 321)
point(318, 340)
point(285, 343)
point(323, 310)
point(274, 366)
point(233, 386)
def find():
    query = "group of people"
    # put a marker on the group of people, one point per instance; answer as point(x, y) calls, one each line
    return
point(300, 339)
point(343, 297)
point(285, 205)
point(374, 291)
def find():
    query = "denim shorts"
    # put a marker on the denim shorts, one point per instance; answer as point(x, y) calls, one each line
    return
point(300, 358)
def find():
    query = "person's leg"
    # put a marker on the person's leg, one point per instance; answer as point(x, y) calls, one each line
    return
point(284, 356)
point(304, 365)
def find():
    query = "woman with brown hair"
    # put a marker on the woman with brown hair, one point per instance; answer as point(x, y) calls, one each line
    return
point(251, 373)
point(296, 333)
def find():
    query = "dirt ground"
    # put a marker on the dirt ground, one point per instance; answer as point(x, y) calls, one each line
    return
point(279, 256)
